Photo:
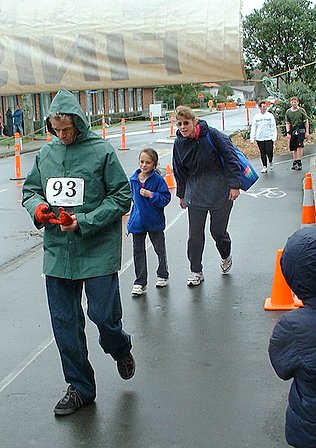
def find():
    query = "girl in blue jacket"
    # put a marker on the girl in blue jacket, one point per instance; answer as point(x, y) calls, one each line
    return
point(150, 196)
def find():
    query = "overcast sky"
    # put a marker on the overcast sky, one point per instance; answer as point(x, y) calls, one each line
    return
point(250, 5)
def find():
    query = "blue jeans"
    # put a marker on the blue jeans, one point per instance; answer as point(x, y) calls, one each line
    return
point(218, 228)
point(18, 128)
point(68, 322)
point(140, 257)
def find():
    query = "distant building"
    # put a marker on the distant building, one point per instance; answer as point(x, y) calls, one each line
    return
point(242, 93)
point(110, 102)
point(211, 88)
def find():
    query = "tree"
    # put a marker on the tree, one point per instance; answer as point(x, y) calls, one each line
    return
point(224, 92)
point(28, 114)
point(182, 94)
point(280, 38)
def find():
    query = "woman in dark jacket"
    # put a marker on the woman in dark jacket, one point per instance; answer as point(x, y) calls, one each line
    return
point(9, 122)
point(205, 185)
point(292, 346)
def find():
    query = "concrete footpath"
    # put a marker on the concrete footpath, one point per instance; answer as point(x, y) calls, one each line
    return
point(34, 145)
point(7, 149)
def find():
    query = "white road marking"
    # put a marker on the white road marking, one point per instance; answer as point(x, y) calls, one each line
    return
point(268, 192)
point(24, 364)
point(147, 131)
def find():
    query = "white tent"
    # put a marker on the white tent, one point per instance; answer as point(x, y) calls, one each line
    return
point(101, 44)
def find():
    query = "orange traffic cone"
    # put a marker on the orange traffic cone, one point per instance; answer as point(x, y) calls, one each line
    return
point(282, 297)
point(169, 177)
point(308, 209)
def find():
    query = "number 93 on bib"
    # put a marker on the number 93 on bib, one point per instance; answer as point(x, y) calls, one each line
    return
point(65, 191)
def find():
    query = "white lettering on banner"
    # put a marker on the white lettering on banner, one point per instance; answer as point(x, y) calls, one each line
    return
point(65, 191)
point(149, 49)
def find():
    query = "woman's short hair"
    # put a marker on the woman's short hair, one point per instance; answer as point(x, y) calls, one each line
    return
point(185, 112)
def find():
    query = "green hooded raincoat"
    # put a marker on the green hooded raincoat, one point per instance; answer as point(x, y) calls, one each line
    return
point(94, 249)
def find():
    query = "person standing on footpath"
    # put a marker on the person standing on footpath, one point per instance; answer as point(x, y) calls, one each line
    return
point(150, 196)
point(1, 127)
point(292, 347)
point(205, 186)
point(264, 132)
point(9, 122)
point(17, 120)
point(79, 175)
point(297, 129)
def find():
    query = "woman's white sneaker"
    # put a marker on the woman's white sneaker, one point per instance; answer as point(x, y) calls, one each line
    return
point(161, 282)
point(226, 264)
point(138, 290)
point(195, 278)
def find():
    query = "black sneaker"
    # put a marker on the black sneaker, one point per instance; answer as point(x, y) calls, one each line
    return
point(299, 165)
point(126, 367)
point(70, 403)
point(294, 166)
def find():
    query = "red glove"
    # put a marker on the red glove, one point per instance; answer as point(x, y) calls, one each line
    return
point(42, 214)
point(64, 218)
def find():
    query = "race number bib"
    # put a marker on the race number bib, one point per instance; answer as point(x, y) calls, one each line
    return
point(65, 191)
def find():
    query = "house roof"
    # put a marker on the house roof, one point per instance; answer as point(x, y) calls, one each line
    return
point(210, 84)
point(242, 88)
point(248, 89)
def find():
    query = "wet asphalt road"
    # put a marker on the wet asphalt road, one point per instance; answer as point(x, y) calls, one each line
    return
point(203, 377)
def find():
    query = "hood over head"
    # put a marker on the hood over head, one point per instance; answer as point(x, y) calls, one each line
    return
point(298, 263)
point(65, 102)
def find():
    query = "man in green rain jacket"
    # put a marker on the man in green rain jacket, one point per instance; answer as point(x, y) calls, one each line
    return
point(77, 190)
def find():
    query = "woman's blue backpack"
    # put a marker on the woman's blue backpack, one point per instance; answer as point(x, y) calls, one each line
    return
point(248, 173)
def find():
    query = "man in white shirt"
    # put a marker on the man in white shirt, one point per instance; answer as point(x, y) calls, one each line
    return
point(264, 132)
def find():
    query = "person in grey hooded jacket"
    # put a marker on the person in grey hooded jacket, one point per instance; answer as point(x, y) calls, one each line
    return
point(292, 347)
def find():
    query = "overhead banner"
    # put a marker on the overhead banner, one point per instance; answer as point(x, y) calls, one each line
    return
point(100, 44)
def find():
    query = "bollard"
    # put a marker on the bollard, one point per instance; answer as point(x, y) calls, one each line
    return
point(151, 122)
point(48, 136)
point(247, 115)
point(123, 136)
point(172, 125)
point(17, 151)
point(103, 128)
point(223, 120)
